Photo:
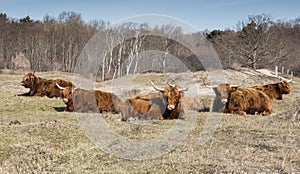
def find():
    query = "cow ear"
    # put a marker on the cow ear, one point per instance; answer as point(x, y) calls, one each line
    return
point(233, 89)
point(286, 82)
point(228, 86)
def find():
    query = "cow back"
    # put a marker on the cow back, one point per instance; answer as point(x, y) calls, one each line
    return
point(248, 100)
point(274, 90)
point(50, 89)
point(108, 102)
point(145, 106)
point(95, 101)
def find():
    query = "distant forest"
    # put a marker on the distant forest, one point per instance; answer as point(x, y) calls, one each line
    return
point(54, 44)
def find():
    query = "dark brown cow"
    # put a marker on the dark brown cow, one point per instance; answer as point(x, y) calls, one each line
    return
point(165, 104)
point(274, 90)
point(43, 87)
point(81, 100)
point(244, 100)
point(33, 83)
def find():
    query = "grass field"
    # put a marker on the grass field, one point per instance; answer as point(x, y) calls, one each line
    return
point(37, 136)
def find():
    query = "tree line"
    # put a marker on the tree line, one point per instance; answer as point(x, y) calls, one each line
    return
point(54, 44)
point(51, 44)
point(259, 42)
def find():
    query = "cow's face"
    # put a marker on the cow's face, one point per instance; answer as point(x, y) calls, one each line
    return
point(285, 87)
point(53, 91)
point(28, 80)
point(67, 94)
point(224, 90)
point(173, 96)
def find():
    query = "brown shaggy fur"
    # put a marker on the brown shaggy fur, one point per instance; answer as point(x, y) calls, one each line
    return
point(155, 105)
point(275, 90)
point(81, 100)
point(245, 100)
point(43, 87)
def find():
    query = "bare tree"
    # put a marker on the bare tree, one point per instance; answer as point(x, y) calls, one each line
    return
point(256, 44)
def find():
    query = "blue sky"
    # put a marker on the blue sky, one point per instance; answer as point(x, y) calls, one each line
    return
point(202, 14)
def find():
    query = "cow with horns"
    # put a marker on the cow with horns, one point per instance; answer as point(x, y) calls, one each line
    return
point(164, 104)
point(81, 100)
point(275, 90)
point(243, 101)
point(43, 87)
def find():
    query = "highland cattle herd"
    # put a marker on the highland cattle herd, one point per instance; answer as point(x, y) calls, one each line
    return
point(163, 103)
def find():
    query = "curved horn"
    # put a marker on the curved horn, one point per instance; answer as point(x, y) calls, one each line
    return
point(214, 86)
point(59, 86)
point(171, 85)
point(235, 86)
point(184, 89)
point(156, 88)
point(290, 81)
point(283, 79)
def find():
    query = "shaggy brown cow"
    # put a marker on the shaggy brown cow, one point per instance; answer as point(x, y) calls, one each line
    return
point(244, 100)
point(43, 87)
point(81, 100)
point(163, 105)
point(274, 90)
point(33, 83)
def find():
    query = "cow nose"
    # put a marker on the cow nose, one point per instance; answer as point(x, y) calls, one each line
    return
point(65, 100)
point(224, 100)
point(171, 107)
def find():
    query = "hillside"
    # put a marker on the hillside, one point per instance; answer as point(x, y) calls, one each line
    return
point(38, 136)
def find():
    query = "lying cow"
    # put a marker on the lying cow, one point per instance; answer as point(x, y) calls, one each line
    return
point(244, 100)
point(165, 104)
point(43, 87)
point(274, 90)
point(81, 100)
point(190, 103)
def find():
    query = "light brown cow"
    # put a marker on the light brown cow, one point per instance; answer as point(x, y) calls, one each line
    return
point(43, 87)
point(274, 90)
point(244, 100)
point(190, 103)
point(165, 104)
point(81, 100)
